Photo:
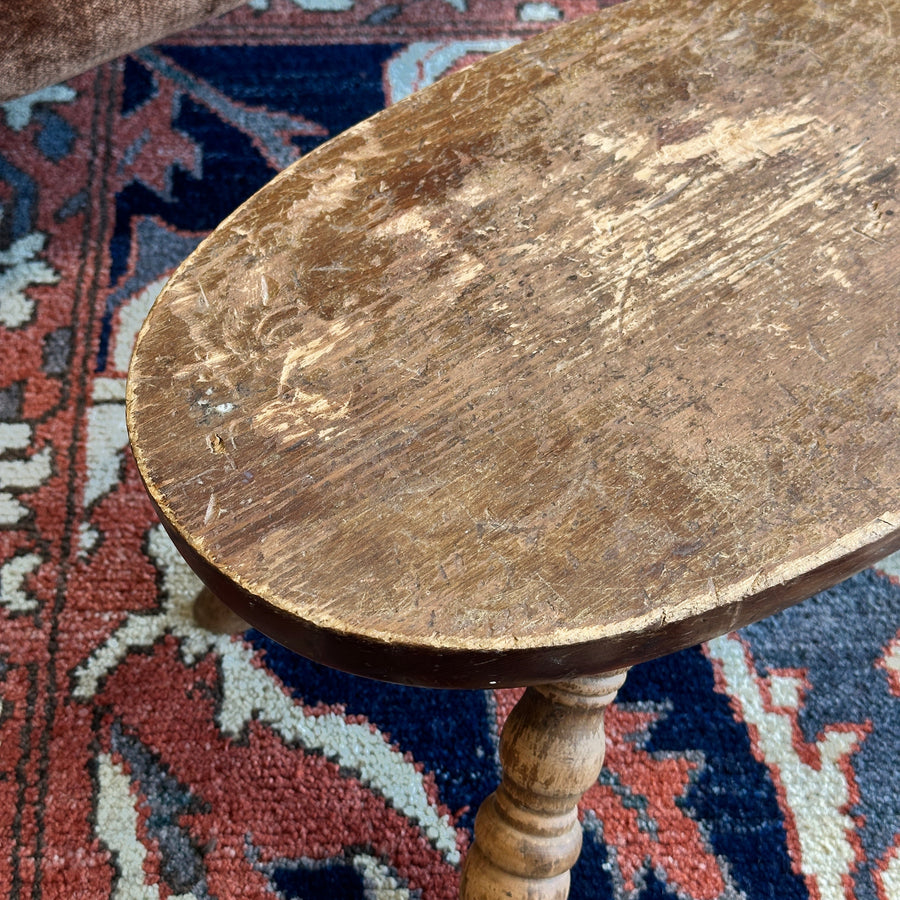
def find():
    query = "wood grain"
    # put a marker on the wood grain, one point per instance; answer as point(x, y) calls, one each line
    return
point(527, 833)
point(583, 355)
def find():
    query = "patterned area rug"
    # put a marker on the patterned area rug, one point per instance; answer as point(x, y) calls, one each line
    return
point(141, 757)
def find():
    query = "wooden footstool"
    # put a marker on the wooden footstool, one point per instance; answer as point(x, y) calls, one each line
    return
point(581, 356)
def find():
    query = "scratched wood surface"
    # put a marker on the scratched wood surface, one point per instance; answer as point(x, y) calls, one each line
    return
point(583, 355)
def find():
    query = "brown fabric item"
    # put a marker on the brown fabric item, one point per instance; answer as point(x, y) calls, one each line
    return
point(47, 41)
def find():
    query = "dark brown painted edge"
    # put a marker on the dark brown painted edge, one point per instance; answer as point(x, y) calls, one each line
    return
point(466, 668)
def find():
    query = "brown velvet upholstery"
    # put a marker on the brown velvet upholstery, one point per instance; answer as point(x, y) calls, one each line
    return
point(47, 41)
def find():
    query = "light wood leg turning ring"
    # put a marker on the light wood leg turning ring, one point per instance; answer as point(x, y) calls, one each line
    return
point(527, 833)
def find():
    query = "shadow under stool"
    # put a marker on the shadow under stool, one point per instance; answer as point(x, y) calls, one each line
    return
point(581, 356)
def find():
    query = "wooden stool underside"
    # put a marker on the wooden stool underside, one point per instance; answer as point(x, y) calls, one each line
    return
point(580, 356)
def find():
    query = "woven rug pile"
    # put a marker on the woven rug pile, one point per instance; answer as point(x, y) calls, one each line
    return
point(142, 757)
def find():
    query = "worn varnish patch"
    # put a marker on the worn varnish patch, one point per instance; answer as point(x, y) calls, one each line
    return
point(582, 355)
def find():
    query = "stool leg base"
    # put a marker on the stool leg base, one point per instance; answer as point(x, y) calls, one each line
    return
point(527, 833)
point(213, 615)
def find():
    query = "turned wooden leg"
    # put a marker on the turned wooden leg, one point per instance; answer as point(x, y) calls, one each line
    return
point(527, 833)
point(213, 615)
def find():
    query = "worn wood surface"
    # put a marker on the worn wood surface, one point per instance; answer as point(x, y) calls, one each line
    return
point(583, 355)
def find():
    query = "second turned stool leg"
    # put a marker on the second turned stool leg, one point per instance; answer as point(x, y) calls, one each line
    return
point(527, 833)
point(213, 615)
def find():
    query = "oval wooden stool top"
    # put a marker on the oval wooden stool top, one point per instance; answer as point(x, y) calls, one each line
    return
point(580, 356)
